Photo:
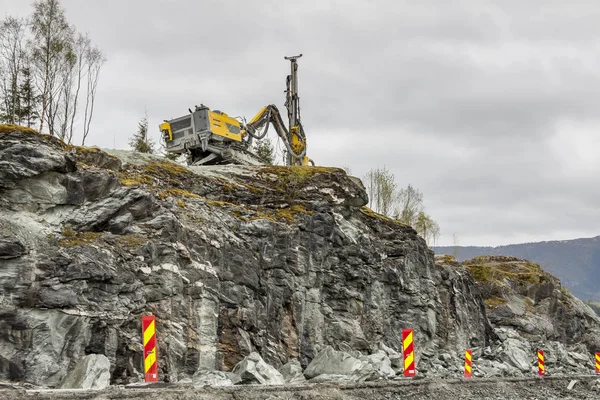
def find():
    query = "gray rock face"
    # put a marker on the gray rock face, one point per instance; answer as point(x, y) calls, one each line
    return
point(233, 261)
point(253, 369)
point(90, 372)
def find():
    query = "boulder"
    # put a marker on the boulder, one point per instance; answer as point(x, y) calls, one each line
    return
point(380, 362)
point(332, 362)
point(253, 369)
point(214, 378)
point(518, 354)
point(292, 372)
point(90, 372)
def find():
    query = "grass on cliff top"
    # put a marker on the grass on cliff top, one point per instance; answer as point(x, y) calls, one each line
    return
point(291, 178)
point(6, 128)
point(368, 212)
point(494, 271)
point(298, 171)
point(50, 139)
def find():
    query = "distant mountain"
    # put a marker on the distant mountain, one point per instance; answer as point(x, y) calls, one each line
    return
point(575, 262)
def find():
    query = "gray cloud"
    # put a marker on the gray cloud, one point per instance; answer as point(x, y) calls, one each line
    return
point(488, 107)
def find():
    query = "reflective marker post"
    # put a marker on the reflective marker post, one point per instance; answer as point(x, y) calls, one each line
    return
point(541, 363)
point(408, 349)
point(150, 356)
point(468, 363)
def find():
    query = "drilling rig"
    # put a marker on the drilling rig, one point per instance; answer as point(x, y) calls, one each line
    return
point(211, 137)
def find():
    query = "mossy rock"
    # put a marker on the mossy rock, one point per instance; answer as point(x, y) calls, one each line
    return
point(167, 170)
point(370, 213)
point(495, 302)
point(95, 157)
point(134, 179)
point(71, 238)
point(8, 129)
point(131, 241)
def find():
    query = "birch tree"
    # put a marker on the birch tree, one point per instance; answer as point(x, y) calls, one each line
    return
point(12, 55)
point(52, 37)
point(94, 60)
point(409, 204)
point(381, 189)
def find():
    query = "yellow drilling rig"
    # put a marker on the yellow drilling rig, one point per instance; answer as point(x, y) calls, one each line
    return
point(211, 137)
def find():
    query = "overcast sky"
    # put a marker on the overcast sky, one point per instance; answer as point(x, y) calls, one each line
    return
point(490, 108)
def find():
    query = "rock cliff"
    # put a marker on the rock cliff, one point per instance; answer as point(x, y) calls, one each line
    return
point(531, 310)
point(282, 263)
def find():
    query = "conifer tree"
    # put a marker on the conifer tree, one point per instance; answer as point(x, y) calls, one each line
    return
point(139, 141)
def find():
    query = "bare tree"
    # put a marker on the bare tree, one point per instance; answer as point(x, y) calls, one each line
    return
point(52, 35)
point(456, 243)
point(12, 55)
point(381, 189)
point(66, 98)
point(410, 203)
point(427, 228)
point(82, 46)
point(95, 59)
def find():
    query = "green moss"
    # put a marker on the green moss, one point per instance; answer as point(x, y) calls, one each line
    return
point(134, 179)
point(519, 271)
point(289, 213)
point(50, 139)
point(253, 189)
point(218, 203)
point(131, 241)
point(182, 193)
point(495, 302)
point(529, 305)
point(166, 169)
point(72, 238)
point(6, 128)
point(367, 211)
point(480, 273)
point(447, 259)
point(290, 179)
point(239, 215)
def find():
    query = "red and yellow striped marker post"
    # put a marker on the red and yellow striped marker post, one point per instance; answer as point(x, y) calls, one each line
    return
point(541, 363)
point(468, 363)
point(598, 363)
point(408, 348)
point(150, 356)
